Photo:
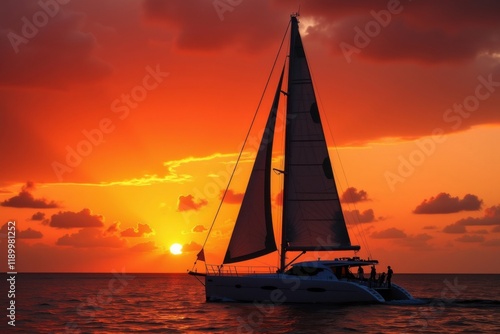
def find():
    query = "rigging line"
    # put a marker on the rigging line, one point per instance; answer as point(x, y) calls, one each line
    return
point(353, 213)
point(246, 138)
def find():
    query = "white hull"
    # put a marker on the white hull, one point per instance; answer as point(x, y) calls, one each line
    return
point(282, 288)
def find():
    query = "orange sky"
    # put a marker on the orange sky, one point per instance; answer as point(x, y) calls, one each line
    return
point(121, 120)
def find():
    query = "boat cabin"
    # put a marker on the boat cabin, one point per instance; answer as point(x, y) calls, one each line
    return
point(340, 268)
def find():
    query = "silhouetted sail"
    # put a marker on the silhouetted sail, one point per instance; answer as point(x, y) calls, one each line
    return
point(253, 234)
point(312, 214)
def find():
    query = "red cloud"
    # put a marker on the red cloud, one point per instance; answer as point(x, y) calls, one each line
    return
point(199, 228)
point(68, 219)
point(90, 237)
point(186, 203)
point(444, 203)
point(232, 197)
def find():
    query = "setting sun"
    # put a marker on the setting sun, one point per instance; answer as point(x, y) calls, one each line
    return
point(176, 249)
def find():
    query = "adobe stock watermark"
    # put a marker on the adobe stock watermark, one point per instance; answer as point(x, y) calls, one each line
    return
point(449, 295)
point(222, 6)
point(121, 108)
point(372, 29)
point(87, 310)
point(31, 27)
point(212, 189)
point(453, 116)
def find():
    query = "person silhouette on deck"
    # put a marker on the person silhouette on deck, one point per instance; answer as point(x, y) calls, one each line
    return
point(381, 279)
point(389, 276)
point(361, 273)
point(373, 275)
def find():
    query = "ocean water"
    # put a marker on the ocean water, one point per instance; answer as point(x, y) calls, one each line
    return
point(175, 303)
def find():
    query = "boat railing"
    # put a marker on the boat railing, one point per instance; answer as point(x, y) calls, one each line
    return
point(218, 270)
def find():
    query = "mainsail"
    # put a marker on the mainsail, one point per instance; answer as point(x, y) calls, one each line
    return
point(312, 215)
point(253, 234)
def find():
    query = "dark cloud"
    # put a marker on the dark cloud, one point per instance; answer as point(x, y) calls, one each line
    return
point(69, 219)
point(444, 203)
point(418, 241)
point(390, 233)
point(141, 230)
point(26, 200)
point(417, 31)
point(491, 218)
point(90, 238)
point(29, 233)
point(199, 228)
point(38, 216)
point(186, 203)
point(352, 195)
point(454, 228)
point(54, 54)
point(367, 216)
point(202, 25)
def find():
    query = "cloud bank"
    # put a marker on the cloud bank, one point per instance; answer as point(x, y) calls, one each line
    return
point(444, 203)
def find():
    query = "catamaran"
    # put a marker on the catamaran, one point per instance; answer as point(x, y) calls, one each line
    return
point(312, 217)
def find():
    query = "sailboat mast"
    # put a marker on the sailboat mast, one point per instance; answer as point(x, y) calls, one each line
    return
point(284, 242)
